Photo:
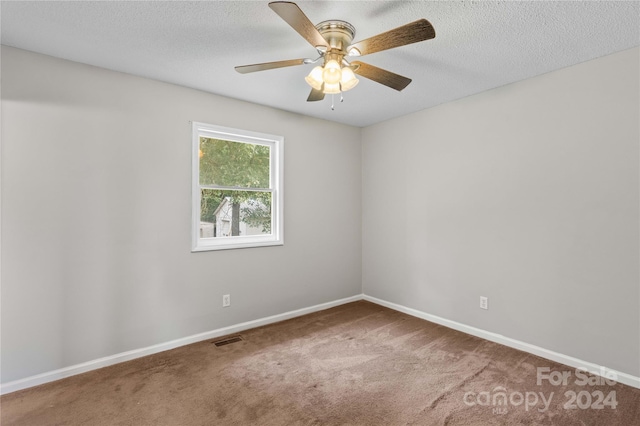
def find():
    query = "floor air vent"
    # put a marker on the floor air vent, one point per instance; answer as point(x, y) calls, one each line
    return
point(227, 341)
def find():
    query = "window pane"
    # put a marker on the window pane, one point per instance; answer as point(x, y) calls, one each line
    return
point(236, 164)
point(234, 213)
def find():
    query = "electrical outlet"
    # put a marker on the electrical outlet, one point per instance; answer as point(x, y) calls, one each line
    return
point(226, 300)
point(484, 302)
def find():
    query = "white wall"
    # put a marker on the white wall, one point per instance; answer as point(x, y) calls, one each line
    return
point(96, 216)
point(527, 194)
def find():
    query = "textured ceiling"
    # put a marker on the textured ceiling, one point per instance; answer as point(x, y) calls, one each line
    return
point(479, 45)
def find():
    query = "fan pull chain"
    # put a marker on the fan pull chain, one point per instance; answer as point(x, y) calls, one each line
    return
point(333, 107)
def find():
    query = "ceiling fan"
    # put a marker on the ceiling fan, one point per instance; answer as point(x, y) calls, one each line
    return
point(332, 40)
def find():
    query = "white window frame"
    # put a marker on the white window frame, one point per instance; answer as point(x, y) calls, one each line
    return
point(276, 143)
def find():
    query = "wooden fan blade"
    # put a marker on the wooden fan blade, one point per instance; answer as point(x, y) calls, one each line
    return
point(315, 95)
point(244, 69)
point(414, 32)
point(381, 76)
point(293, 16)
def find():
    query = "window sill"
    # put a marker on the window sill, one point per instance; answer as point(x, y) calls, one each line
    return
point(224, 245)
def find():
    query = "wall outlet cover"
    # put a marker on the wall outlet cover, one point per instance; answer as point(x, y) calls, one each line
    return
point(484, 302)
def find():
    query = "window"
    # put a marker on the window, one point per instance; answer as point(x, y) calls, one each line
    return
point(236, 188)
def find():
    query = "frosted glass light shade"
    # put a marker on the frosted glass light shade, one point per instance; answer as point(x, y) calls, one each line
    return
point(314, 79)
point(331, 88)
point(332, 73)
point(348, 80)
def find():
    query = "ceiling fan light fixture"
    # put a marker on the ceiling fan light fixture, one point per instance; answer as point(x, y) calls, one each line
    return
point(332, 72)
point(331, 88)
point(314, 79)
point(332, 40)
point(348, 80)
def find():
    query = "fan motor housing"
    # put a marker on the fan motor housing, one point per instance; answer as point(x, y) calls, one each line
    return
point(339, 34)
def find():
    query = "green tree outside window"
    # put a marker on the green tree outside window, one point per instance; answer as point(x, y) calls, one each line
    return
point(240, 174)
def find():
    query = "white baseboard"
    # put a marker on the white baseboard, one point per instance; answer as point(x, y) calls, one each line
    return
point(51, 376)
point(625, 378)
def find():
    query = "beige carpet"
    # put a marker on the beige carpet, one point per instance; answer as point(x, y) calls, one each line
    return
point(357, 364)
